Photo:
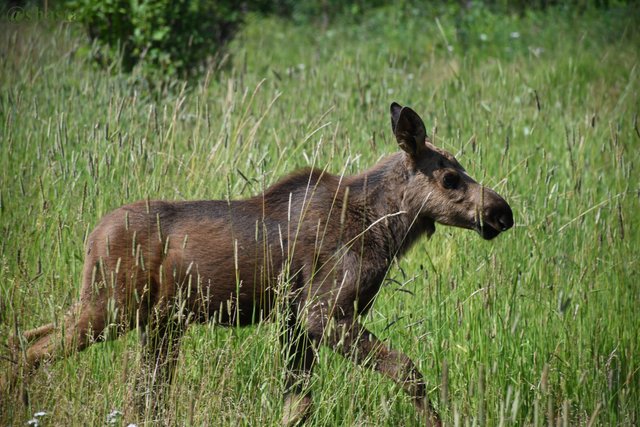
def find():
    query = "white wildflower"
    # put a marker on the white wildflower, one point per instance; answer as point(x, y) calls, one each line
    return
point(484, 37)
point(514, 35)
point(536, 51)
point(113, 416)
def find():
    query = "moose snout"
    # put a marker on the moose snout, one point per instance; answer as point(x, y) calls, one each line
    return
point(503, 216)
point(498, 216)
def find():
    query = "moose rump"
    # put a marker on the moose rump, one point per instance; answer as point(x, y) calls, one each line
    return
point(210, 259)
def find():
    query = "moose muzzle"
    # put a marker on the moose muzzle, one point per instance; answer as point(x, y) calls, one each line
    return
point(496, 216)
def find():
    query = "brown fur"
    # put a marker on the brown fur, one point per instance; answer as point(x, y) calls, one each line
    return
point(317, 243)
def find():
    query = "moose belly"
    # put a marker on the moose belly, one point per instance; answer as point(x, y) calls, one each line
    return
point(223, 279)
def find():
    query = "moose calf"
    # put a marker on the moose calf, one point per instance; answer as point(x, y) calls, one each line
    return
point(315, 244)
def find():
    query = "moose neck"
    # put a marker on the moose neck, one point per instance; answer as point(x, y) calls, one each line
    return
point(379, 193)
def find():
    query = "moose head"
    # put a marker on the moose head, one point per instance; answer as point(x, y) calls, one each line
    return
point(440, 189)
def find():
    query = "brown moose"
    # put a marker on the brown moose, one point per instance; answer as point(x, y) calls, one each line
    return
point(316, 245)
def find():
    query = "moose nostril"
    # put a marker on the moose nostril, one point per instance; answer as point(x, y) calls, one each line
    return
point(505, 220)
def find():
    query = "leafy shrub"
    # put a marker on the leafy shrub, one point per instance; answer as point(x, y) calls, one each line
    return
point(167, 38)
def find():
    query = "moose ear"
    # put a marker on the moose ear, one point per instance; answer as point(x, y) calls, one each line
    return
point(408, 128)
point(395, 114)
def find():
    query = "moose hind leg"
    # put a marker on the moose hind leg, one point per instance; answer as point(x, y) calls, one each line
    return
point(15, 347)
point(363, 347)
point(81, 326)
point(36, 333)
point(160, 343)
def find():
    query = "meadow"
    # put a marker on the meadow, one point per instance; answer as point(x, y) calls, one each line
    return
point(538, 327)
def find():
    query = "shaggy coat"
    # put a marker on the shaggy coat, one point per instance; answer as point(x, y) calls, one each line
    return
point(315, 244)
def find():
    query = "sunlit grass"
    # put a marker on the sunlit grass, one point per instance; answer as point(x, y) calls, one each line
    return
point(538, 326)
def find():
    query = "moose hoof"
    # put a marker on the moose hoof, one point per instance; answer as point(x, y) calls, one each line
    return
point(431, 416)
point(433, 420)
point(296, 409)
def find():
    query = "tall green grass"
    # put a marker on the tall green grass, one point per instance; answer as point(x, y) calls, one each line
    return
point(537, 327)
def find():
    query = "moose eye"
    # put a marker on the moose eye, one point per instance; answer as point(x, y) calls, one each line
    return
point(451, 180)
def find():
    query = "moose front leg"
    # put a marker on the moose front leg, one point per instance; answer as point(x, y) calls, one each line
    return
point(299, 358)
point(355, 342)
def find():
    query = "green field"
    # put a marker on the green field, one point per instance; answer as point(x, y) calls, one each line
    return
point(537, 327)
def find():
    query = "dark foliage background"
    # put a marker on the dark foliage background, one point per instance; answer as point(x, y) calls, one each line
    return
point(168, 39)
